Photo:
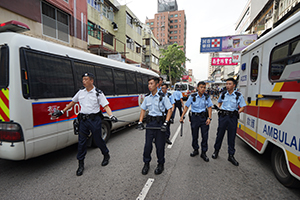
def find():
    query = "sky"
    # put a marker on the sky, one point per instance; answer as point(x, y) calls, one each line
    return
point(205, 18)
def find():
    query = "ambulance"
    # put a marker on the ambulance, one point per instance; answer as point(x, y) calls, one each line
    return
point(270, 82)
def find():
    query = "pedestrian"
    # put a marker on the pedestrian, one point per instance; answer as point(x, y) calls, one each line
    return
point(231, 104)
point(90, 98)
point(156, 104)
point(172, 101)
point(200, 117)
point(160, 84)
point(178, 101)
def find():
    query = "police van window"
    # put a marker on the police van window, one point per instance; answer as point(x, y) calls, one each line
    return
point(4, 67)
point(105, 81)
point(139, 83)
point(49, 76)
point(145, 83)
point(80, 69)
point(285, 61)
point(254, 68)
point(131, 83)
point(120, 81)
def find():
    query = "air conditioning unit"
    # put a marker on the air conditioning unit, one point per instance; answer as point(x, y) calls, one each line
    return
point(98, 27)
point(144, 46)
point(129, 40)
point(99, 2)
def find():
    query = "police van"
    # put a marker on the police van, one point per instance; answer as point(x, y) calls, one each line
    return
point(38, 77)
point(270, 82)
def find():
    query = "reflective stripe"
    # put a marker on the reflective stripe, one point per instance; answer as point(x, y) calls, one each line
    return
point(4, 105)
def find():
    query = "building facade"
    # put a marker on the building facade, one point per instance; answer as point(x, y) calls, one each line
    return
point(60, 21)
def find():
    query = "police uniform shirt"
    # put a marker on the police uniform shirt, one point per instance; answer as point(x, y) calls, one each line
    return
point(177, 95)
point(155, 107)
point(230, 102)
point(200, 103)
point(89, 101)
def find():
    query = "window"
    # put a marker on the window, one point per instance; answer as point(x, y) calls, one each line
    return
point(145, 83)
point(139, 83)
point(4, 67)
point(171, 38)
point(120, 82)
point(284, 61)
point(176, 15)
point(171, 26)
point(138, 48)
point(131, 83)
point(105, 80)
point(108, 38)
point(107, 13)
point(171, 21)
point(176, 21)
point(175, 31)
point(130, 43)
point(129, 20)
point(55, 23)
point(152, 23)
point(81, 68)
point(147, 41)
point(148, 23)
point(175, 37)
point(171, 32)
point(254, 68)
point(171, 15)
point(93, 30)
point(139, 30)
point(48, 76)
point(175, 26)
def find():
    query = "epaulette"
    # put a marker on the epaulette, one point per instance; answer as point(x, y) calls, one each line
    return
point(147, 94)
point(206, 96)
point(169, 94)
point(161, 95)
point(194, 96)
point(98, 91)
point(238, 94)
point(82, 88)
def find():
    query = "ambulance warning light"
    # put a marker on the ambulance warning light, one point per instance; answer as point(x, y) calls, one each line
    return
point(14, 26)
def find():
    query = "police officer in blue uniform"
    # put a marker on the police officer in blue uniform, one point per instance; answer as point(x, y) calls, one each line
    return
point(200, 117)
point(90, 98)
point(178, 102)
point(164, 88)
point(156, 103)
point(231, 103)
point(160, 84)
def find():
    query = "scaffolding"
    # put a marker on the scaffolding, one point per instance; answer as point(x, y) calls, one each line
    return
point(166, 5)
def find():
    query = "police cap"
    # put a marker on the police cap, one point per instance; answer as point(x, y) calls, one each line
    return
point(89, 75)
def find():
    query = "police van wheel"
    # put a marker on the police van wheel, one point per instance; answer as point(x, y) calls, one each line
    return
point(280, 169)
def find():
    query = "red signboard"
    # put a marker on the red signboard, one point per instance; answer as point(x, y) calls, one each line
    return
point(222, 61)
point(185, 77)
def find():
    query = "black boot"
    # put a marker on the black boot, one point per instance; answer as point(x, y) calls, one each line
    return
point(204, 156)
point(232, 160)
point(159, 169)
point(105, 159)
point(215, 154)
point(168, 141)
point(145, 169)
point(194, 153)
point(80, 169)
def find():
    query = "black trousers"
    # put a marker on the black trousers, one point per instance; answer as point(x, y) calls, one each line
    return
point(179, 106)
point(199, 122)
point(93, 125)
point(228, 123)
point(160, 140)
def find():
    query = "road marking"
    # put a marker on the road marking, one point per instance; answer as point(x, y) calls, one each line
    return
point(178, 130)
point(174, 137)
point(145, 189)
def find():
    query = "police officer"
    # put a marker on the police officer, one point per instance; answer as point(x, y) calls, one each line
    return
point(231, 103)
point(201, 112)
point(89, 116)
point(164, 89)
point(156, 104)
point(160, 84)
point(178, 102)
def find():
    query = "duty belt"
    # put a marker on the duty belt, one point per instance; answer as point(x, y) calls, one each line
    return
point(202, 114)
point(227, 112)
point(154, 118)
point(92, 116)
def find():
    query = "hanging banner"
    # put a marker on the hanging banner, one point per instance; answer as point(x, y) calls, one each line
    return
point(236, 57)
point(234, 43)
point(220, 61)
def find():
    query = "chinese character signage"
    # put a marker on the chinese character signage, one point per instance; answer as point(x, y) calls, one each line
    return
point(222, 61)
point(226, 44)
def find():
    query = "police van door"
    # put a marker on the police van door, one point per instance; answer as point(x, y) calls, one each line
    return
point(253, 89)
